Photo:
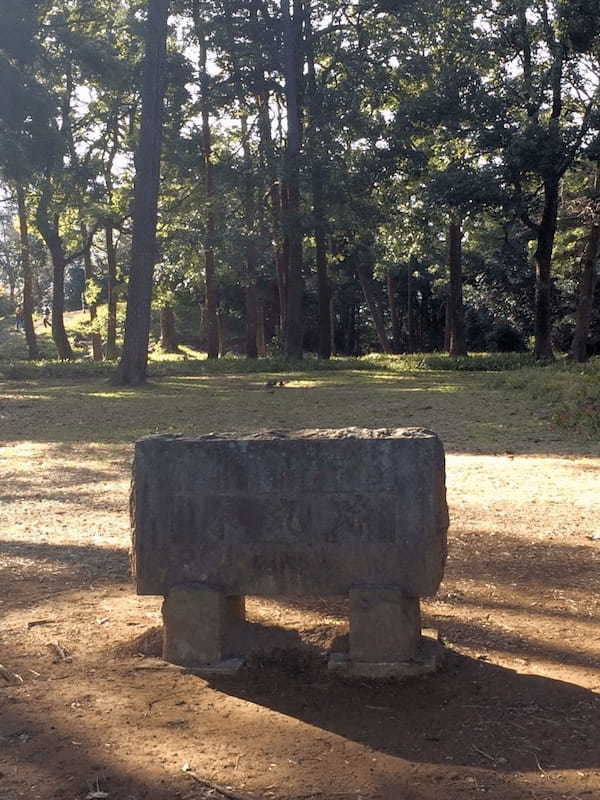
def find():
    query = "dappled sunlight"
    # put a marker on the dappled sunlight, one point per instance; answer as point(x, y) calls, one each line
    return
point(519, 606)
point(459, 407)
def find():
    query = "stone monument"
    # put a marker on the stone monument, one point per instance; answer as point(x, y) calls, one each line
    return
point(314, 512)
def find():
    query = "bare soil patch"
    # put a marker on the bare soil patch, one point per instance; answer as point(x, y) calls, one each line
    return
point(95, 713)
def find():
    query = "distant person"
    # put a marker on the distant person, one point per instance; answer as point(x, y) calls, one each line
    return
point(46, 313)
point(19, 320)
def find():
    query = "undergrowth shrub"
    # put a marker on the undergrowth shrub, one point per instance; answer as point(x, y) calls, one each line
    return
point(169, 365)
point(570, 391)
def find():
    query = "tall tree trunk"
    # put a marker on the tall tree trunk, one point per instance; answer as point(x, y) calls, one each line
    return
point(319, 214)
point(392, 289)
point(211, 306)
point(211, 316)
point(89, 274)
point(111, 320)
point(59, 333)
point(410, 324)
point(351, 327)
point(294, 330)
point(134, 361)
point(32, 348)
point(543, 271)
point(49, 230)
point(249, 198)
point(447, 325)
point(365, 276)
point(168, 334)
point(111, 250)
point(587, 285)
point(261, 346)
point(458, 346)
point(357, 329)
point(323, 285)
point(221, 333)
point(283, 262)
point(274, 189)
point(332, 321)
point(251, 321)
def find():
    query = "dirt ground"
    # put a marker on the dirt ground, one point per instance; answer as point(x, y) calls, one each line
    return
point(93, 712)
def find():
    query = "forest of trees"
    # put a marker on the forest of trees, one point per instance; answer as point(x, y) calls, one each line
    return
point(303, 175)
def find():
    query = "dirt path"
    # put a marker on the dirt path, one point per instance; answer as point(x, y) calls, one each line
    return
point(514, 713)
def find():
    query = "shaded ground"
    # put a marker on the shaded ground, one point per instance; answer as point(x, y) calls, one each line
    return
point(514, 714)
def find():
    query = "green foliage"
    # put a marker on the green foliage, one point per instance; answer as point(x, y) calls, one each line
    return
point(162, 365)
point(568, 393)
point(411, 112)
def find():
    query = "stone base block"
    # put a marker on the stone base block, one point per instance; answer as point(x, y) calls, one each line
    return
point(385, 624)
point(229, 667)
point(428, 659)
point(201, 625)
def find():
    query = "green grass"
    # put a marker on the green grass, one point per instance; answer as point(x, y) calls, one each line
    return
point(469, 413)
point(571, 390)
point(484, 385)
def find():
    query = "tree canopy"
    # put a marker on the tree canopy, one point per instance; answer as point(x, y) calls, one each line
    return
point(334, 177)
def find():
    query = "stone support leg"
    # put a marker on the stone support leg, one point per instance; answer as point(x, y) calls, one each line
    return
point(385, 625)
point(202, 625)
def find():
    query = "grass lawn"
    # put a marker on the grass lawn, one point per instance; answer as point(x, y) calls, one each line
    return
point(513, 714)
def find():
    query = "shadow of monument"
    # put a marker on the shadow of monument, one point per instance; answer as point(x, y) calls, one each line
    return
point(471, 713)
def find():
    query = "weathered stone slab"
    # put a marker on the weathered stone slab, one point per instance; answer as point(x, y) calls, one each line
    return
point(200, 625)
point(427, 658)
point(385, 625)
point(313, 512)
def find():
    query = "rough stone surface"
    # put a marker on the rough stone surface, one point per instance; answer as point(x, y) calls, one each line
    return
point(427, 659)
point(385, 625)
point(200, 625)
point(230, 666)
point(314, 512)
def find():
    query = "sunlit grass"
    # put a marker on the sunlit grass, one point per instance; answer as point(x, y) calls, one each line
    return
point(563, 393)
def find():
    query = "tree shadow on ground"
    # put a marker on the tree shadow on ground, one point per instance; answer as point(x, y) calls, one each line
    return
point(492, 722)
point(76, 771)
point(462, 408)
point(46, 570)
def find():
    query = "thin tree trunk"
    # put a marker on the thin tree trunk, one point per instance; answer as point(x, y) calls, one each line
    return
point(261, 346)
point(89, 274)
point(49, 231)
point(319, 213)
point(543, 271)
point(274, 190)
point(410, 338)
point(587, 285)
point(211, 313)
point(324, 287)
point(447, 326)
point(251, 321)
point(293, 220)
point(221, 334)
point(134, 361)
point(547, 227)
point(365, 276)
point(458, 346)
point(59, 333)
point(111, 250)
point(249, 200)
point(211, 306)
point(168, 334)
point(392, 288)
point(332, 323)
point(32, 347)
point(283, 261)
point(111, 321)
